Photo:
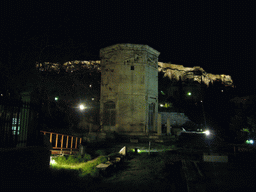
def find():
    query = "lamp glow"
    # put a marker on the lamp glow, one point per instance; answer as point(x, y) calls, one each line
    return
point(52, 161)
point(207, 132)
point(81, 107)
point(249, 141)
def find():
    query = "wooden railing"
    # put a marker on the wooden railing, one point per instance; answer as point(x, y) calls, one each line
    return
point(62, 143)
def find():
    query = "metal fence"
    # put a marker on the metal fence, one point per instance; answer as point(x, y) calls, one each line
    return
point(17, 123)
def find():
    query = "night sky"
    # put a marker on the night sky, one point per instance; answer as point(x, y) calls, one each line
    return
point(216, 35)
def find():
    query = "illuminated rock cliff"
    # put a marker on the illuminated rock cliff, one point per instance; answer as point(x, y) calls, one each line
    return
point(196, 73)
point(173, 71)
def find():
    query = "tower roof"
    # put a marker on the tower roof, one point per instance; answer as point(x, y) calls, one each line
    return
point(135, 47)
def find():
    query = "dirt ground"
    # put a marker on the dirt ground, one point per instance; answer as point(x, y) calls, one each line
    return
point(138, 172)
point(143, 172)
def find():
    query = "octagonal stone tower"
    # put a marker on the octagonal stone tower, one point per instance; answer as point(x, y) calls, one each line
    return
point(129, 88)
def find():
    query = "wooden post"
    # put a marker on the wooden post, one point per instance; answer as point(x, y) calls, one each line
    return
point(67, 142)
point(44, 133)
point(56, 142)
point(80, 140)
point(72, 142)
point(62, 137)
point(50, 137)
point(72, 138)
point(76, 143)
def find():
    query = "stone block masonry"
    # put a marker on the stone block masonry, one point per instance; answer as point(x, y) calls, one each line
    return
point(129, 88)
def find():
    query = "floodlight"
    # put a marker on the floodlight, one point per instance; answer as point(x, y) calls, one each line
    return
point(207, 132)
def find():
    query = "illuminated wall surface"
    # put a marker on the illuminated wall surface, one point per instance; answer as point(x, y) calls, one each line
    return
point(129, 87)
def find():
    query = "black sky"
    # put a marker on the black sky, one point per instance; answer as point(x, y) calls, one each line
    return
point(216, 35)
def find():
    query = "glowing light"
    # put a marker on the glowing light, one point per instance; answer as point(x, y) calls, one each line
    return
point(82, 107)
point(92, 99)
point(56, 98)
point(249, 141)
point(52, 161)
point(189, 93)
point(207, 132)
point(161, 105)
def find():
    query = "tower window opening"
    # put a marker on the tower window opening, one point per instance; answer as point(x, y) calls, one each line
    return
point(109, 114)
point(132, 67)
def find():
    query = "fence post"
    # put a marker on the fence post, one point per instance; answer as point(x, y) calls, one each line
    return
point(61, 146)
point(67, 142)
point(76, 143)
point(56, 142)
point(50, 137)
point(71, 144)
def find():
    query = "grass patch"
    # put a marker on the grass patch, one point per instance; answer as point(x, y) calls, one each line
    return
point(74, 165)
point(72, 159)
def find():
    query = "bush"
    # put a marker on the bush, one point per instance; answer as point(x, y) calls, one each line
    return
point(72, 160)
point(80, 158)
point(87, 157)
point(61, 160)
